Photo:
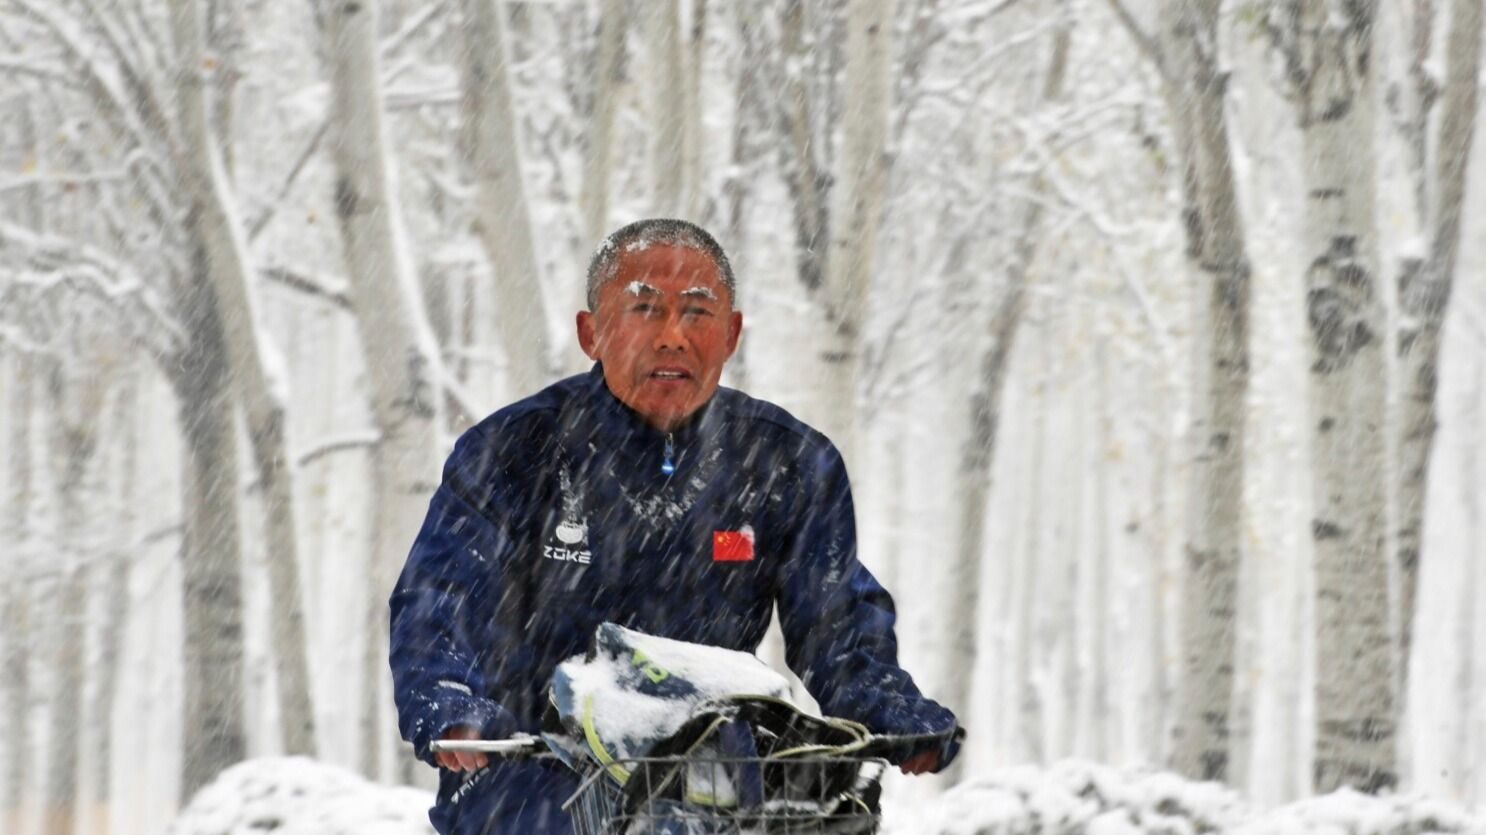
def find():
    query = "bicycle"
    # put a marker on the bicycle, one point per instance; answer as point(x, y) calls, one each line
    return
point(799, 794)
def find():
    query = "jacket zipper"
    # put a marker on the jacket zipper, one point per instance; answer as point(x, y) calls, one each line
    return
point(668, 464)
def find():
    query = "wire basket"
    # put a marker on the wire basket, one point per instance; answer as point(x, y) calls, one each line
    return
point(728, 796)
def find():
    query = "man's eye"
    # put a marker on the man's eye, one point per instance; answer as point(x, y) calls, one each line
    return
point(697, 311)
point(643, 307)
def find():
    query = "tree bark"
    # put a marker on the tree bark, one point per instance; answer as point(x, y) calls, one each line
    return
point(978, 450)
point(666, 79)
point(1216, 250)
point(857, 198)
point(504, 220)
point(1030, 710)
point(75, 398)
point(16, 615)
point(256, 370)
point(113, 589)
point(1468, 622)
point(214, 659)
point(1356, 731)
point(1423, 299)
point(402, 361)
point(608, 76)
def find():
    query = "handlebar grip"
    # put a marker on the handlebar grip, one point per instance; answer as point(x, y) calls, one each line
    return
point(527, 747)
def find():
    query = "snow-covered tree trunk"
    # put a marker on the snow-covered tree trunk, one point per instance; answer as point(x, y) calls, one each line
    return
point(1424, 288)
point(1464, 754)
point(255, 370)
point(1029, 707)
point(1327, 48)
point(608, 74)
point(504, 215)
point(1101, 688)
point(1219, 263)
point(665, 80)
point(64, 708)
point(800, 161)
point(212, 726)
point(695, 200)
point(112, 587)
point(74, 404)
point(402, 362)
point(857, 198)
point(978, 450)
point(15, 617)
point(16, 620)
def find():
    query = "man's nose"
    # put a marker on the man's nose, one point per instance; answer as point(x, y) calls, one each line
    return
point(671, 336)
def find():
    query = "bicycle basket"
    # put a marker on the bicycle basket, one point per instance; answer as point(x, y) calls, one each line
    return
point(708, 796)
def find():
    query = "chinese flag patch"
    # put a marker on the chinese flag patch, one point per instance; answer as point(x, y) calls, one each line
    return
point(732, 546)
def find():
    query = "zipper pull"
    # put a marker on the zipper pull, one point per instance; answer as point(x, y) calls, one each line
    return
point(668, 465)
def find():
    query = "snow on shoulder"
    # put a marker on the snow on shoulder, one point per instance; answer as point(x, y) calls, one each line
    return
point(1092, 799)
point(299, 796)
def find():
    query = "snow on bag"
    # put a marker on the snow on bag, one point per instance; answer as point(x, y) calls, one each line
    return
point(636, 696)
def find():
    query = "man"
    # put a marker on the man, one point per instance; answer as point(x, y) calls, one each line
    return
point(644, 494)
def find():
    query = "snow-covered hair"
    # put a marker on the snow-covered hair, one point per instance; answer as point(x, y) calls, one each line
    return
point(655, 231)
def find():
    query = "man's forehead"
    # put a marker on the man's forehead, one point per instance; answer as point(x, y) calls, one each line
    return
point(659, 268)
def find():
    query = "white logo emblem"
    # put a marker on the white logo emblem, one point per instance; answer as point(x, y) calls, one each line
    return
point(572, 532)
point(572, 535)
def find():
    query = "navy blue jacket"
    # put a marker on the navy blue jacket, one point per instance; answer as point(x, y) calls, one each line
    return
point(556, 514)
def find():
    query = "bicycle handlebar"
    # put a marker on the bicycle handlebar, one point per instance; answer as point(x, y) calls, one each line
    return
point(515, 747)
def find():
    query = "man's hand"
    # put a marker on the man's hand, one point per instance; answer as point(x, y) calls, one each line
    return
point(462, 760)
point(923, 763)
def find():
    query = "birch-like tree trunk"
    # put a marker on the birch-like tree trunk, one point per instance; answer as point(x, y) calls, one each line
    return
point(857, 198)
point(1464, 754)
point(977, 451)
point(1423, 298)
point(695, 200)
point(801, 165)
point(1216, 253)
point(64, 708)
point(665, 78)
point(1327, 46)
point(504, 215)
point(598, 150)
point(1030, 710)
point(17, 698)
point(74, 400)
point(212, 726)
point(402, 361)
point(112, 586)
point(256, 370)
point(16, 615)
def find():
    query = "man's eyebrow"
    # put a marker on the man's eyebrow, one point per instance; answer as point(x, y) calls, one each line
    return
point(638, 288)
point(701, 292)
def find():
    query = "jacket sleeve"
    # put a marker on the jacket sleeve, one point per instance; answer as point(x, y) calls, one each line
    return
point(441, 611)
point(838, 620)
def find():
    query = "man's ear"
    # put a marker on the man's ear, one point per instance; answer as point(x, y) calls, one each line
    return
point(735, 331)
point(587, 334)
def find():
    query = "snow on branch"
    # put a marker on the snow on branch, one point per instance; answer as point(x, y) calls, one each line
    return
point(42, 264)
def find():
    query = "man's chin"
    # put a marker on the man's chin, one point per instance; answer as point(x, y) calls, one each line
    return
point(668, 416)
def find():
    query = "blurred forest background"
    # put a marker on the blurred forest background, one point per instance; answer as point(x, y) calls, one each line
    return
point(1152, 331)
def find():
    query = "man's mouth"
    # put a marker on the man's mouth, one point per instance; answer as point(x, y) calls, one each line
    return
point(670, 374)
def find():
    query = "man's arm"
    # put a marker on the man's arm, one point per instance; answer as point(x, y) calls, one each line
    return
point(838, 621)
point(442, 611)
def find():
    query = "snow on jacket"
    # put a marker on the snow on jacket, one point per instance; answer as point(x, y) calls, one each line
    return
point(565, 510)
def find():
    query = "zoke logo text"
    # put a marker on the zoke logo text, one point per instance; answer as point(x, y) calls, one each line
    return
point(566, 554)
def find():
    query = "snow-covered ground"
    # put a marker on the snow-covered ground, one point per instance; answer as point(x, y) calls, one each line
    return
point(295, 796)
point(299, 796)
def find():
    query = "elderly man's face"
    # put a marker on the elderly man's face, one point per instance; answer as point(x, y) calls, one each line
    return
point(663, 327)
